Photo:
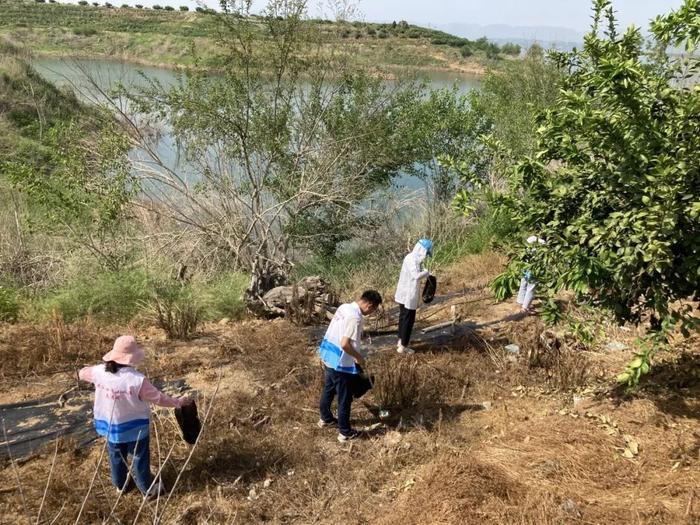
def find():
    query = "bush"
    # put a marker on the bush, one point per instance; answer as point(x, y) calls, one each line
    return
point(111, 297)
point(199, 9)
point(84, 31)
point(174, 309)
point(125, 6)
point(184, 8)
point(511, 49)
point(9, 304)
point(108, 5)
point(169, 8)
point(157, 7)
point(40, 1)
point(138, 6)
point(83, 2)
point(96, 4)
point(371, 31)
point(222, 297)
point(383, 34)
point(466, 51)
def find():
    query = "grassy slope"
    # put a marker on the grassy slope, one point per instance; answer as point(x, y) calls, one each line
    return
point(164, 38)
point(29, 108)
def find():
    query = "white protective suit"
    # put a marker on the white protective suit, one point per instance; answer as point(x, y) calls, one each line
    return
point(408, 289)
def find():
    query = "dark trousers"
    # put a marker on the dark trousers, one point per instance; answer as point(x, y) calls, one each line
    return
point(340, 384)
point(406, 320)
point(140, 466)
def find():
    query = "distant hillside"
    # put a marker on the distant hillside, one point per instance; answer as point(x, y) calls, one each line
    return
point(165, 37)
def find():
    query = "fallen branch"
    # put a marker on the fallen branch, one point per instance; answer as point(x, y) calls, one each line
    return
point(439, 326)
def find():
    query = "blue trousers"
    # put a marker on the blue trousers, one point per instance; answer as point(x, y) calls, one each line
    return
point(340, 384)
point(140, 465)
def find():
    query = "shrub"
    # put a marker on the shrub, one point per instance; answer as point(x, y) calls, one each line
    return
point(96, 4)
point(173, 308)
point(222, 297)
point(108, 296)
point(466, 51)
point(138, 6)
point(125, 6)
point(84, 31)
point(510, 49)
point(9, 304)
point(345, 33)
point(108, 5)
point(169, 8)
point(52, 1)
point(371, 31)
point(199, 9)
point(383, 34)
point(184, 8)
point(157, 7)
point(83, 2)
point(40, 1)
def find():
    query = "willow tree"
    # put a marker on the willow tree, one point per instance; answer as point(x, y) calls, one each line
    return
point(281, 148)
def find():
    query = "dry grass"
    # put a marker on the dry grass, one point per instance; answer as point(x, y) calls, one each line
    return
point(531, 458)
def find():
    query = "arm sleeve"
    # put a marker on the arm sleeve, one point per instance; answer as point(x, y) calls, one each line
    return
point(151, 394)
point(417, 272)
point(351, 329)
point(85, 374)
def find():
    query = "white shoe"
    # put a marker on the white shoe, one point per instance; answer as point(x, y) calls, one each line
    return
point(405, 350)
point(157, 489)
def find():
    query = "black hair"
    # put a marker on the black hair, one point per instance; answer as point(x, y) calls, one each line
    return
point(112, 366)
point(372, 297)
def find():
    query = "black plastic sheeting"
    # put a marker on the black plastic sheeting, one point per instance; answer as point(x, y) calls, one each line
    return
point(30, 425)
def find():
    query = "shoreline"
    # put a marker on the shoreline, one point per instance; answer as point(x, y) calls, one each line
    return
point(474, 70)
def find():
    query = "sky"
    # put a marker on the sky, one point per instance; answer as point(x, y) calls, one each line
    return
point(572, 14)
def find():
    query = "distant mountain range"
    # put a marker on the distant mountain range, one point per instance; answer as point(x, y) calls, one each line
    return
point(546, 36)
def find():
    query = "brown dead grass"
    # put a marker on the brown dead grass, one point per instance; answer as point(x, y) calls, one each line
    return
point(531, 458)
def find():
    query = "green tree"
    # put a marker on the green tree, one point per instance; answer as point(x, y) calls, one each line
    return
point(282, 147)
point(615, 184)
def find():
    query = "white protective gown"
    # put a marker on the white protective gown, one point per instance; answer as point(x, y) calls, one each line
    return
point(408, 289)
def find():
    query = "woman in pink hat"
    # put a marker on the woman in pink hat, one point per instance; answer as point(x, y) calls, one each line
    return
point(122, 412)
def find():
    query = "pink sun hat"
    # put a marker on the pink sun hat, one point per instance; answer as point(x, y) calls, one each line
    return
point(125, 351)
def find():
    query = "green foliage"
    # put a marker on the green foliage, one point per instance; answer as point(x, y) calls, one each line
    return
point(510, 49)
point(184, 8)
point(500, 126)
point(222, 296)
point(615, 184)
point(9, 304)
point(107, 296)
point(466, 51)
point(86, 194)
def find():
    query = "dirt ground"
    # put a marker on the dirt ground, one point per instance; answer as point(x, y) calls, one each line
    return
point(479, 436)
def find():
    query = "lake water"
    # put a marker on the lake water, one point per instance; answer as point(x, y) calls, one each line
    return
point(107, 74)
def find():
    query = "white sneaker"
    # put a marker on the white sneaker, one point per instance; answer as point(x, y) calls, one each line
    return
point(157, 489)
point(405, 350)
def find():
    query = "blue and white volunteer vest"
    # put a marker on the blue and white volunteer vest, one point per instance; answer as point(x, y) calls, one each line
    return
point(332, 354)
point(120, 415)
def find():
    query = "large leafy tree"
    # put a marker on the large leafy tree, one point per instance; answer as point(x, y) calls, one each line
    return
point(615, 184)
point(283, 147)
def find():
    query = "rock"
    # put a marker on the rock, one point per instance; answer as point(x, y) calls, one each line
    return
point(267, 483)
point(224, 321)
point(486, 405)
point(571, 508)
point(615, 346)
point(512, 349)
point(252, 494)
point(578, 400)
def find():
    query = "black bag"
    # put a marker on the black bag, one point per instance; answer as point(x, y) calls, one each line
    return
point(429, 289)
point(188, 420)
point(361, 384)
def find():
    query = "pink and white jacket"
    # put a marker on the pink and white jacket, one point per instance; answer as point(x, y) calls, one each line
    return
point(121, 410)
